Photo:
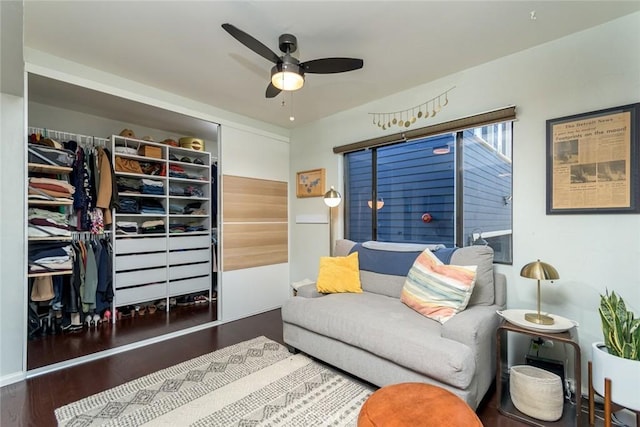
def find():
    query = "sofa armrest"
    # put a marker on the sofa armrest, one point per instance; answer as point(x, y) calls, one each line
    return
point(308, 291)
point(476, 327)
point(473, 325)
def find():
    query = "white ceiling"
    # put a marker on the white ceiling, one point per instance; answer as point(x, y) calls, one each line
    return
point(180, 47)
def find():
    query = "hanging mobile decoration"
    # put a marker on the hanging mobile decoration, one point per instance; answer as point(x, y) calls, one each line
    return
point(406, 118)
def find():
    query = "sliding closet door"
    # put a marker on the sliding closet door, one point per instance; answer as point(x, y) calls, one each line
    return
point(255, 229)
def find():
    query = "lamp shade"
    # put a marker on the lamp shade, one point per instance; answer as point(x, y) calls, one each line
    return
point(332, 198)
point(287, 76)
point(539, 270)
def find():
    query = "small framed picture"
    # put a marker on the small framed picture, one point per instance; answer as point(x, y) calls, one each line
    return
point(310, 183)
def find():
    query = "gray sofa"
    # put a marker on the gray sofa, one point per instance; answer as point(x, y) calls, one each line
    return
point(375, 337)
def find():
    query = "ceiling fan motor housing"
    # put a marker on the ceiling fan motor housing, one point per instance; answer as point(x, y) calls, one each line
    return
point(288, 43)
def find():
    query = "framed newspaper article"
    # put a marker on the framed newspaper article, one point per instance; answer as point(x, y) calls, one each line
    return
point(592, 162)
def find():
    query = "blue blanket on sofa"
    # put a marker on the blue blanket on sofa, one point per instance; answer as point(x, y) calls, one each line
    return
point(392, 262)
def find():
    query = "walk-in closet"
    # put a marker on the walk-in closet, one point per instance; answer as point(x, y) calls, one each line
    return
point(122, 222)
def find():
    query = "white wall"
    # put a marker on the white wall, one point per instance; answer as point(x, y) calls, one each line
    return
point(12, 256)
point(587, 71)
point(12, 201)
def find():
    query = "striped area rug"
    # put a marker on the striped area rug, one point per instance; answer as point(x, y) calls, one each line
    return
point(254, 383)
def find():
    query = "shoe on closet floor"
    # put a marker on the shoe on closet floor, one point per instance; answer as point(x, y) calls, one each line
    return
point(72, 324)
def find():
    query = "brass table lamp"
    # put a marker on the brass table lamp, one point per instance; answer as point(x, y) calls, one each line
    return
point(541, 271)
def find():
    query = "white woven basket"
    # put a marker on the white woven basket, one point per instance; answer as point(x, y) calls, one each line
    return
point(536, 392)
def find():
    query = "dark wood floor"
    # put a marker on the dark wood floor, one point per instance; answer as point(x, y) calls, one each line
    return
point(32, 402)
point(47, 350)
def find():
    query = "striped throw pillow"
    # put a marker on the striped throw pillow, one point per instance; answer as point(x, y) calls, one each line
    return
point(436, 290)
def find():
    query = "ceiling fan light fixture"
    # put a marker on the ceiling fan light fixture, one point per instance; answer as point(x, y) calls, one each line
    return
point(287, 77)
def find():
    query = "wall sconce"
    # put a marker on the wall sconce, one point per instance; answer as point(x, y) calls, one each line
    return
point(332, 199)
point(379, 204)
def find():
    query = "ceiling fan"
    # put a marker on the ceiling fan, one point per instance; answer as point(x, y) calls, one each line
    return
point(288, 73)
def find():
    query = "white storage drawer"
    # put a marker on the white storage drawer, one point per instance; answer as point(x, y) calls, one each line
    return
point(189, 242)
point(184, 257)
point(185, 286)
point(139, 245)
point(140, 294)
point(189, 270)
point(141, 277)
point(133, 262)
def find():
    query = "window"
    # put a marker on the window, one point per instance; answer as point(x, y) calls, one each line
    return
point(453, 188)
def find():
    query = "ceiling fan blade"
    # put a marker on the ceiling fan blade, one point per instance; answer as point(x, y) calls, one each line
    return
point(272, 91)
point(252, 43)
point(331, 65)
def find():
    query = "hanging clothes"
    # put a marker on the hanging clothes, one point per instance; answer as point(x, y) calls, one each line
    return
point(105, 185)
point(104, 292)
point(90, 285)
point(82, 201)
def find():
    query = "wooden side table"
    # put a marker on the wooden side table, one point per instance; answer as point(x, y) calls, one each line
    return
point(571, 413)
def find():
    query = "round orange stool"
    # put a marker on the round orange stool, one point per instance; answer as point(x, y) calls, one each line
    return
point(416, 404)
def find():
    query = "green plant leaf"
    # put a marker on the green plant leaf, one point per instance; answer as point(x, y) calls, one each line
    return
point(620, 328)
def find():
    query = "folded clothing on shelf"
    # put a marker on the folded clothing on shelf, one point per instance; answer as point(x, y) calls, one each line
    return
point(128, 185)
point(127, 227)
point(151, 168)
point(50, 188)
point(177, 171)
point(125, 150)
point(44, 155)
point(127, 165)
point(151, 206)
point(128, 205)
point(153, 226)
point(179, 227)
point(149, 186)
point(48, 256)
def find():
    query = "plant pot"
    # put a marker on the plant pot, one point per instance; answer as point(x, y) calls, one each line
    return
point(623, 373)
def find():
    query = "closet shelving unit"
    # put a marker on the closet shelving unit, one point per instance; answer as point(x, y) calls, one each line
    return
point(162, 265)
point(60, 171)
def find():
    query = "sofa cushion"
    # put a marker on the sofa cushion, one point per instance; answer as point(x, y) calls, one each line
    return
point(383, 284)
point(436, 290)
point(387, 328)
point(384, 261)
point(482, 256)
point(339, 274)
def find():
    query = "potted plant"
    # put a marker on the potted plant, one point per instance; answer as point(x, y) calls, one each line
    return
point(618, 357)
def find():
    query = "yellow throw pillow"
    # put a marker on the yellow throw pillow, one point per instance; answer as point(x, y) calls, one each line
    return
point(339, 274)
